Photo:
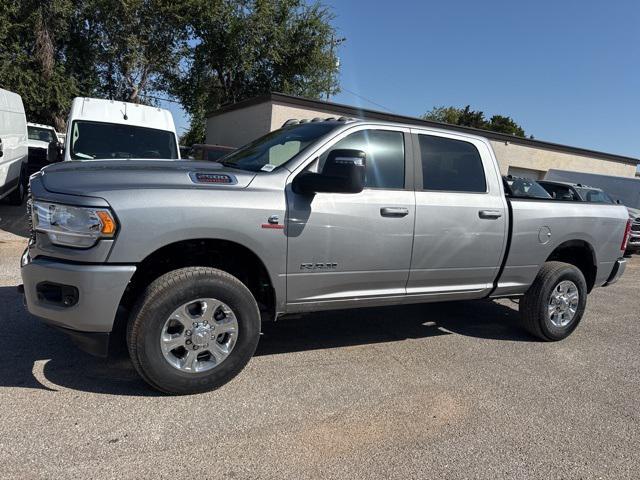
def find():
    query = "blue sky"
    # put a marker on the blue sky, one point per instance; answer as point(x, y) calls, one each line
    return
point(568, 71)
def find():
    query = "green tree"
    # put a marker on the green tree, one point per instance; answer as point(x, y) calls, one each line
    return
point(138, 44)
point(54, 50)
point(244, 48)
point(506, 125)
point(474, 118)
point(36, 43)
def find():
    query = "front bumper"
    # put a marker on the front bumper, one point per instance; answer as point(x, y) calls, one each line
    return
point(617, 271)
point(99, 291)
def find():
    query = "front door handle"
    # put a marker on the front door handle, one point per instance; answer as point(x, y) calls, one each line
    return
point(489, 214)
point(394, 212)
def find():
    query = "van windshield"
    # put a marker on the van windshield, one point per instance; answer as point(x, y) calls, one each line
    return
point(278, 147)
point(98, 140)
point(41, 134)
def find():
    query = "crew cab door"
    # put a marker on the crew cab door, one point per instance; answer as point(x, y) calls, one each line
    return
point(461, 217)
point(344, 247)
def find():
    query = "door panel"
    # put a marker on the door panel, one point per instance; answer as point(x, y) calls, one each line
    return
point(454, 249)
point(460, 231)
point(346, 247)
point(342, 246)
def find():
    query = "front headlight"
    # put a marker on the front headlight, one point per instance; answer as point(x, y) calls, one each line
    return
point(73, 226)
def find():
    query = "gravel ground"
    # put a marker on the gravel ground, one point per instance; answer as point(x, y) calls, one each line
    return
point(434, 391)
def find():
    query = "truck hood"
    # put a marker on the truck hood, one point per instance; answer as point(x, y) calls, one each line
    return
point(94, 176)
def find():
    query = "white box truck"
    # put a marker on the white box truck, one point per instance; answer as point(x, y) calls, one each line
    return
point(13, 147)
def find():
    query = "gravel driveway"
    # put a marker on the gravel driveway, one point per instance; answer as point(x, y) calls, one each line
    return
point(433, 391)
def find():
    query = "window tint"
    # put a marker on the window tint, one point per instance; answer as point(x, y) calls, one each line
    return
point(451, 165)
point(385, 156)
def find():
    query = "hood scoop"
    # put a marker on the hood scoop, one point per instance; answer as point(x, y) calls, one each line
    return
point(94, 176)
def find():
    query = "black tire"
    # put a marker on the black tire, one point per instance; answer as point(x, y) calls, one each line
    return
point(157, 303)
point(17, 196)
point(535, 303)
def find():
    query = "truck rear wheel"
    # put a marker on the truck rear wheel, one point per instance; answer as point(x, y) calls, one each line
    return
point(193, 330)
point(554, 304)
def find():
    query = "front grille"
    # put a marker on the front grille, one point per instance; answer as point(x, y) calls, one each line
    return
point(635, 226)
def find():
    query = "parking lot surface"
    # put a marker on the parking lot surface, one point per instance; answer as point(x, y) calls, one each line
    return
point(429, 391)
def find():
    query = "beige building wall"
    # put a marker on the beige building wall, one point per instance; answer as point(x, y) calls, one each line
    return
point(524, 157)
point(281, 113)
point(235, 128)
point(238, 127)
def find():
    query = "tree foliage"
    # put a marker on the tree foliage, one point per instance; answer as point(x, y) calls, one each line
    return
point(476, 119)
point(203, 52)
point(36, 40)
point(243, 48)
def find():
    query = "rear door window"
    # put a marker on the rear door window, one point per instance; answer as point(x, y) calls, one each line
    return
point(451, 165)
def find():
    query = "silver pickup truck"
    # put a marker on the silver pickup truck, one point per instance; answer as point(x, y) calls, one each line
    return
point(188, 258)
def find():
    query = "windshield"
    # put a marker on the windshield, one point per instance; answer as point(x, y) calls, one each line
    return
point(41, 134)
point(560, 192)
point(278, 147)
point(593, 195)
point(97, 140)
point(525, 188)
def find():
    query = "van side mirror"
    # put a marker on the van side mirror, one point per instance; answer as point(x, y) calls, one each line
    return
point(343, 172)
point(54, 152)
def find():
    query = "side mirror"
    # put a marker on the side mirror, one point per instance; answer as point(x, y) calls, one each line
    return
point(53, 152)
point(343, 172)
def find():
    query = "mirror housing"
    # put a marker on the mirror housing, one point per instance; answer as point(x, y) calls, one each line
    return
point(54, 152)
point(343, 172)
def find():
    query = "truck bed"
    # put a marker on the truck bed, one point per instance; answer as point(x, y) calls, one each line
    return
point(538, 227)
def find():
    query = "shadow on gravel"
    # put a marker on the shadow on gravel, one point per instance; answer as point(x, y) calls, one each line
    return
point(14, 219)
point(481, 319)
point(37, 356)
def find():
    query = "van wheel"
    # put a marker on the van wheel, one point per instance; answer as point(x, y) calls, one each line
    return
point(17, 196)
point(554, 304)
point(193, 330)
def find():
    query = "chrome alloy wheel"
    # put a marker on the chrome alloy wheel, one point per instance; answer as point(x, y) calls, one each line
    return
point(199, 335)
point(563, 303)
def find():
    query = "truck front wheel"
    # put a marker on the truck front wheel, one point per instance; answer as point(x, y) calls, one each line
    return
point(193, 330)
point(554, 304)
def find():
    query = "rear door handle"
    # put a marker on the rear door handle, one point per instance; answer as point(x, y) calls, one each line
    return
point(489, 214)
point(394, 212)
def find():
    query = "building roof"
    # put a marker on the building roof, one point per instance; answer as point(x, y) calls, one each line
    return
point(348, 110)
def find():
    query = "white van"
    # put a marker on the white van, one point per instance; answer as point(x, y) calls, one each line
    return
point(13, 147)
point(109, 129)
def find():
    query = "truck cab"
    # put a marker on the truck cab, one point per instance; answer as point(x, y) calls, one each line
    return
point(100, 129)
